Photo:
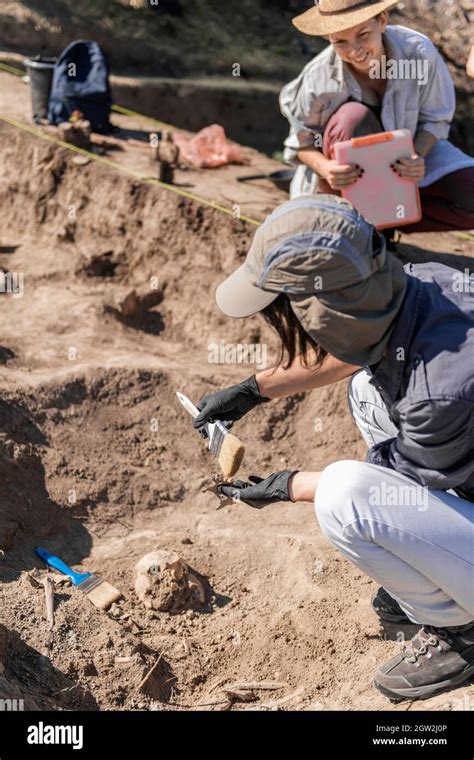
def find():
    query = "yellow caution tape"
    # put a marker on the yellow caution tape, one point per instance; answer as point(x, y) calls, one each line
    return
point(125, 169)
point(112, 164)
point(128, 112)
point(12, 70)
point(118, 109)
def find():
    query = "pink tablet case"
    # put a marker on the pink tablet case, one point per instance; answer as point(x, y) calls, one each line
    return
point(381, 192)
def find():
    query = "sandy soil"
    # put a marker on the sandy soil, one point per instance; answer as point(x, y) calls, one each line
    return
point(99, 464)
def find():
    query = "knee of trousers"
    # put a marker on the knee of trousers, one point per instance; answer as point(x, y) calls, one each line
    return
point(341, 486)
point(462, 192)
point(350, 116)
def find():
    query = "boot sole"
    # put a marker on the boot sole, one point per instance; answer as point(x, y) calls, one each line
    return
point(390, 617)
point(421, 692)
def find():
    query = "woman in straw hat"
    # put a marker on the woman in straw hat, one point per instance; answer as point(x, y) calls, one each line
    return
point(344, 306)
point(376, 77)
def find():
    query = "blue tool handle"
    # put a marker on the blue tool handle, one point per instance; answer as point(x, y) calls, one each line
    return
point(58, 564)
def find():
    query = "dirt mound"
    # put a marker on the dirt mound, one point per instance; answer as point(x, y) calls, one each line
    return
point(22, 476)
point(99, 464)
point(129, 223)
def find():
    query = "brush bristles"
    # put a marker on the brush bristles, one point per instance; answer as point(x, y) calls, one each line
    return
point(231, 455)
point(101, 593)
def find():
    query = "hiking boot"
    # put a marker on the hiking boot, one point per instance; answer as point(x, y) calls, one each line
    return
point(436, 659)
point(387, 608)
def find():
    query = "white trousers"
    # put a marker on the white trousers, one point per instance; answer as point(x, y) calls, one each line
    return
point(418, 543)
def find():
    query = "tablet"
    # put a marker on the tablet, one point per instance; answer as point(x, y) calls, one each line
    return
point(383, 197)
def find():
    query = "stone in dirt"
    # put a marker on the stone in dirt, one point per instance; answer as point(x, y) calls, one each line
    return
point(133, 303)
point(77, 133)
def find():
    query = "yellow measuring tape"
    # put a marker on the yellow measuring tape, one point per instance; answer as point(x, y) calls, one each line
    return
point(12, 70)
point(128, 112)
point(112, 164)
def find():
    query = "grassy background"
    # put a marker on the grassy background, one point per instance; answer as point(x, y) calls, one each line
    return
point(178, 38)
point(203, 38)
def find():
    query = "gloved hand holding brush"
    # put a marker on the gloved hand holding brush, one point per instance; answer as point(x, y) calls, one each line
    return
point(260, 491)
point(230, 404)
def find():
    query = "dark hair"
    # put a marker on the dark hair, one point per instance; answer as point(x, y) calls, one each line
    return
point(294, 338)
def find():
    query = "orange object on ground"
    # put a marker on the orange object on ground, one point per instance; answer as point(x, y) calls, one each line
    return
point(209, 148)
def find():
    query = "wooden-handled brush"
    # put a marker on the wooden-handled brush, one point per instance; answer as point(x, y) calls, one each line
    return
point(101, 593)
point(224, 445)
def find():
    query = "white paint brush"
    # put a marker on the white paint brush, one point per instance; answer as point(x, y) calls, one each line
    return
point(228, 449)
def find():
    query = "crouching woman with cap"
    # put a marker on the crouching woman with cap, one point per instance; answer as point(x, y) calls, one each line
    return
point(344, 306)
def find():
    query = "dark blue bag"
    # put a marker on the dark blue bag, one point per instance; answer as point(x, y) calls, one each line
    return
point(81, 83)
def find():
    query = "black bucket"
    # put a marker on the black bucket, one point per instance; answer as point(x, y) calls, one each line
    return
point(40, 70)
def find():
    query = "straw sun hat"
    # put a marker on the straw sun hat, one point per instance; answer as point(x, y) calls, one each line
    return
point(332, 16)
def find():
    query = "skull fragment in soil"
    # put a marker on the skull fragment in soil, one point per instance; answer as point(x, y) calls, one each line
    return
point(163, 582)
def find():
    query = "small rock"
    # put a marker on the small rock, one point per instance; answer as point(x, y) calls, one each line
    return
point(81, 160)
point(77, 133)
point(88, 668)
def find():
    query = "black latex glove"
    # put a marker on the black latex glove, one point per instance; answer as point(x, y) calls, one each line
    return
point(230, 404)
point(260, 491)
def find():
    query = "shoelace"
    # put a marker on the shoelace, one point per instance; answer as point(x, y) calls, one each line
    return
point(411, 654)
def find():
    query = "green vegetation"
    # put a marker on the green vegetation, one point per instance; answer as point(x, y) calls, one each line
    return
point(176, 38)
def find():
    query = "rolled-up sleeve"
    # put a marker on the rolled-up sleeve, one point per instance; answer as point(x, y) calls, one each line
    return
point(438, 99)
point(434, 444)
point(299, 104)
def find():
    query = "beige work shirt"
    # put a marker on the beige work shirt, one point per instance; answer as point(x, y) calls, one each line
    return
point(425, 103)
